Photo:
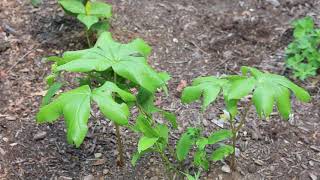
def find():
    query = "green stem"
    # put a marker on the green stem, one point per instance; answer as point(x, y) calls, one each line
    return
point(235, 129)
point(166, 162)
point(118, 134)
point(120, 146)
point(88, 39)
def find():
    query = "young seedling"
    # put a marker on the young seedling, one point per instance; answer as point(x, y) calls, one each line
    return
point(266, 89)
point(110, 69)
point(94, 15)
point(303, 54)
point(155, 138)
point(193, 137)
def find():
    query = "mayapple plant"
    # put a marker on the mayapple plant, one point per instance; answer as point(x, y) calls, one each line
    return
point(155, 138)
point(303, 53)
point(267, 89)
point(93, 14)
point(193, 137)
point(110, 70)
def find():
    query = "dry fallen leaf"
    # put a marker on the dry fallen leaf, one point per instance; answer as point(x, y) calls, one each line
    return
point(182, 85)
point(99, 162)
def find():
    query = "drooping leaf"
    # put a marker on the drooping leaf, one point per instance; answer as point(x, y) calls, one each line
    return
point(145, 143)
point(75, 107)
point(271, 88)
point(127, 60)
point(240, 88)
point(263, 99)
point(185, 142)
point(74, 6)
point(55, 87)
point(98, 9)
point(219, 135)
point(103, 96)
point(221, 152)
point(283, 101)
point(207, 87)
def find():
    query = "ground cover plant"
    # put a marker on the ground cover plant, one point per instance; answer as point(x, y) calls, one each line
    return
point(112, 73)
point(110, 70)
point(265, 88)
point(303, 53)
point(94, 15)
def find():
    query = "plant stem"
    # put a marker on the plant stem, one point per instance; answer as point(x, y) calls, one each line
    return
point(166, 162)
point(88, 39)
point(118, 134)
point(120, 146)
point(235, 129)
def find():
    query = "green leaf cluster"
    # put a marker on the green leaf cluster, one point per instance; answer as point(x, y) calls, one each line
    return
point(94, 15)
point(102, 63)
point(267, 90)
point(192, 137)
point(303, 53)
point(74, 105)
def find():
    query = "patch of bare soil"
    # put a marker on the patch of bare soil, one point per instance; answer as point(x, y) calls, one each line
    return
point(190, 38)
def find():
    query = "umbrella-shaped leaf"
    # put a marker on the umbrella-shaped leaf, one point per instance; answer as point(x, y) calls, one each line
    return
point(272, 87)
point(75, 107)
point(127, 60)
point(103, 96)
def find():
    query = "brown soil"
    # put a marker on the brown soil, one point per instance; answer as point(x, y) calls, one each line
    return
point(189, 38)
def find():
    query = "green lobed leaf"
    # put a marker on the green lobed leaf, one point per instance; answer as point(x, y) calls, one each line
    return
point(74, 105)
point(127, 60)
point(74, 6)
point(207, 87)
point(103, 96)
point(241, 88)
point(87, 20)
point(219, 135)
point(145, 143)
point(283, 101)
point(271, 88)
point(263, 99)
point(221, 152)
point(98, 9)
